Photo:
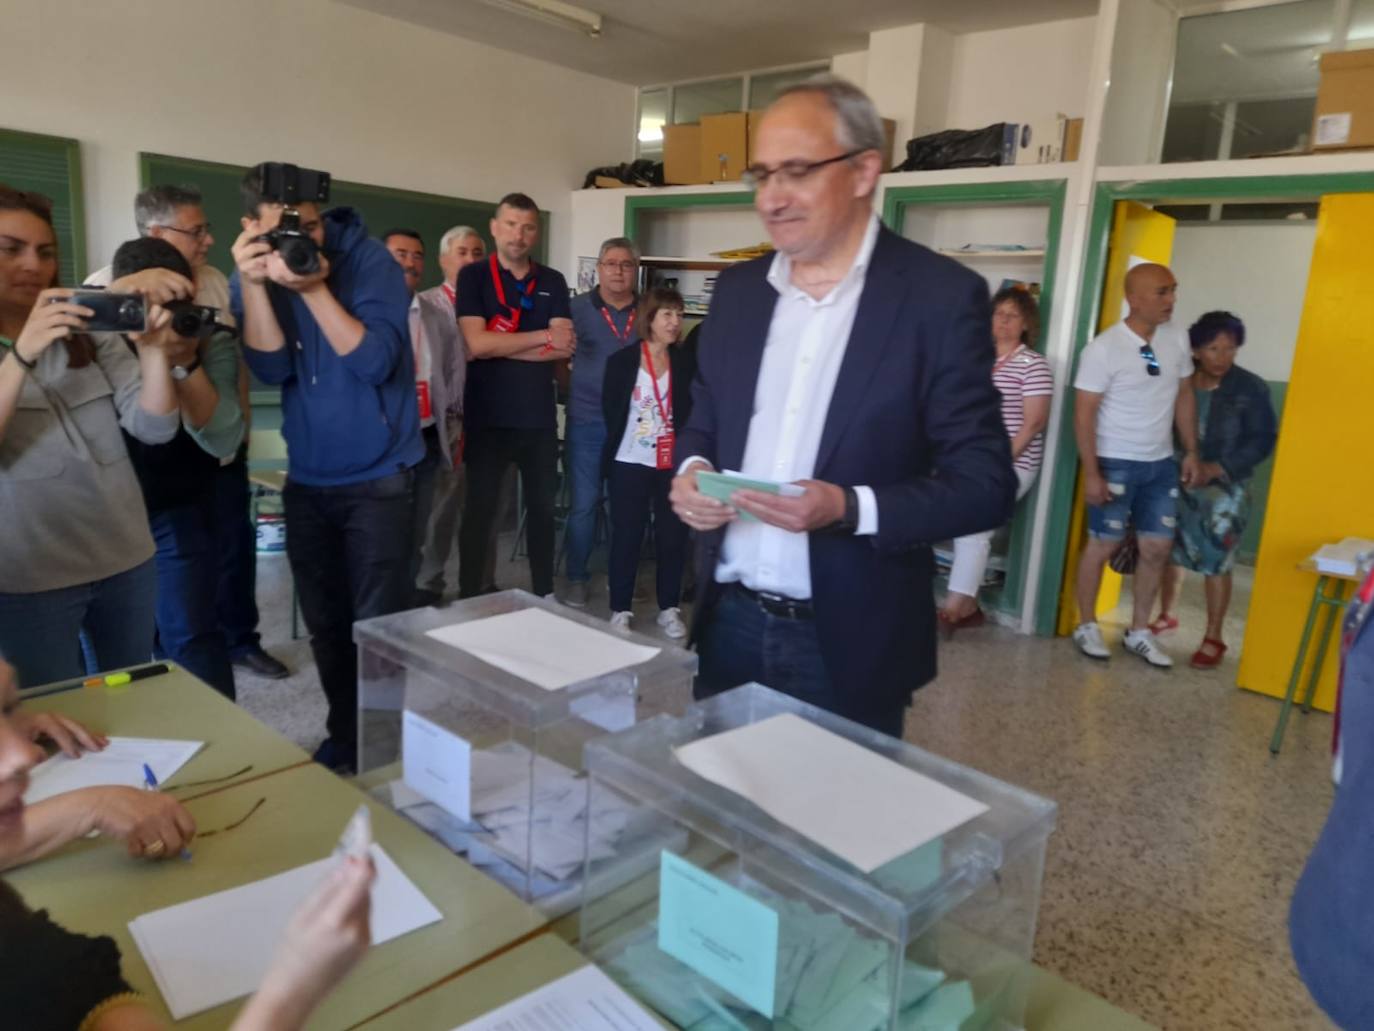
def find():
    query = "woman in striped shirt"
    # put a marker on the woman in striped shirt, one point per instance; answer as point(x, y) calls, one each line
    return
point(1022, 376)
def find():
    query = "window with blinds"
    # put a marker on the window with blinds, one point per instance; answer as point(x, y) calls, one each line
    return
point(50, 165)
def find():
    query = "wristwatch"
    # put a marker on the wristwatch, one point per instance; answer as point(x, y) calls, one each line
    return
point(849, 522)
point(180, 372)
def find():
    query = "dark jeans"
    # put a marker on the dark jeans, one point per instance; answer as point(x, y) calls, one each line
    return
point(635, 491)
point(739, 642)
point(188, 567)
point(488, 453)
point(425, 475)
point(236, 595)
point(350, 551)
point(582, 461)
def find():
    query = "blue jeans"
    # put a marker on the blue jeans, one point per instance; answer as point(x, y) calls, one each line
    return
point(582, 459)
point(236, 595)
point(188, 567)
point(739, 642)
point(1142, 494)
point(39, 632)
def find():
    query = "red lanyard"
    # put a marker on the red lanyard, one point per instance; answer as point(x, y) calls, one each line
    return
point(666, 412)
point(629, 324)
point(448, 292)
point(501, 290)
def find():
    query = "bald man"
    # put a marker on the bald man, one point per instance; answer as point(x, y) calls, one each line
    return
point(1132, 390)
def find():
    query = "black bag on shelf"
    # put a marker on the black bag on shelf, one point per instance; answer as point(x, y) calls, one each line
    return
point(958, 148)
point(636, 173)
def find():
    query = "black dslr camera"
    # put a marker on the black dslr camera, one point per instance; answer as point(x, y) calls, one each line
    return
point(191, 320)
point(288, 186)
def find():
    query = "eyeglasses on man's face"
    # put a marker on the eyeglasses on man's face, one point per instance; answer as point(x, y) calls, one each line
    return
point(623, 266)
point(791, 172)
point(199, 232)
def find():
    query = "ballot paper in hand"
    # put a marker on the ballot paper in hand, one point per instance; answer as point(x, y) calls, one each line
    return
point(863, 807)
point(214, 949)
point(119, 764)
point(722, 486)
point(546, 650)
point(585, 1000)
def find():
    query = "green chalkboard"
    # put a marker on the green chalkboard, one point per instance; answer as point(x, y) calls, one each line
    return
point(50, 165)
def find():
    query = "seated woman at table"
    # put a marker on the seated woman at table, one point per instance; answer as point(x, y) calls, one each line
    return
point(54, 979)
point(1236, 430)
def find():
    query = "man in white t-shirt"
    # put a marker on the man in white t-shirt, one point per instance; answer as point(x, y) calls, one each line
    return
point(1132, 390)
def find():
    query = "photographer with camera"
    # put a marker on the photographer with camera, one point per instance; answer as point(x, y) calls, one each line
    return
point(76, 553)
point(178, 478)
point(324, 313)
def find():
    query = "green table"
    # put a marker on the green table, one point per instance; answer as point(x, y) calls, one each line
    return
point(177, 705)
point(93, 888)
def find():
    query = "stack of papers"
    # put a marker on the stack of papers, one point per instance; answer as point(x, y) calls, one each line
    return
point(120, 764)
point(1351, 557)
point(218, 948)
point(585, 1000)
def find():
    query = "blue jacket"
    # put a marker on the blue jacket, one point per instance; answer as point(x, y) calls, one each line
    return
point(914, 415)
point(354, 418)
point(1241, 426)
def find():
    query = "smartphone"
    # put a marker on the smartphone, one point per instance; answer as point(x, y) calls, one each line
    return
point(114, 313)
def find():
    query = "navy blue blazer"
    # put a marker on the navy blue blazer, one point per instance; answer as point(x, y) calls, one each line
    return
point(914, 415)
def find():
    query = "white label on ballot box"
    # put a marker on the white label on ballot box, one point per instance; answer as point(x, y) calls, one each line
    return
point(437, 763)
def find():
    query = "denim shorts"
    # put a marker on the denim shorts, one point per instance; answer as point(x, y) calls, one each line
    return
point(1143, 495)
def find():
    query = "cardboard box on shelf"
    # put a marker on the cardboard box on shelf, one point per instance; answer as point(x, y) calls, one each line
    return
point(724, 146)
point(682, 165)
point(1073, 138)
point(1344, 117)
point(1042, 141)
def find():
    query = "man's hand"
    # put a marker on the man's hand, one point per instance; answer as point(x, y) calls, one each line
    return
point(64, 732)
point(141, 819)
point(1095, 490)
point(156, 285)
point(1210, 472)
point(278, 273)
point(820, 506)
point(693, 507)
point(250, 254)
point(1189, 471)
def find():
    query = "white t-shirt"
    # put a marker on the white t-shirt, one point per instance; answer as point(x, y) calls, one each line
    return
point(639, 443)
point(1135, 421)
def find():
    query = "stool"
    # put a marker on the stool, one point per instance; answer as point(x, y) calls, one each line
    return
point(1334, 602)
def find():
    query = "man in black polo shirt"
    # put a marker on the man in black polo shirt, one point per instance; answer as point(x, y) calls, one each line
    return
point(515, 318)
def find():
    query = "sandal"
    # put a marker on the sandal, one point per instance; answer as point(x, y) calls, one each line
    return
point(1164, 624)
point(1208, 655)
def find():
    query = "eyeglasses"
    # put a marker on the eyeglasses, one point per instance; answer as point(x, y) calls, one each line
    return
point(200, 232)
point(624, 266)
point(790, 172)
point(1151, 362)
point(235, 825)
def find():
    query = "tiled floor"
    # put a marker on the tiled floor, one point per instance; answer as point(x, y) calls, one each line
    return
point(1179, 836)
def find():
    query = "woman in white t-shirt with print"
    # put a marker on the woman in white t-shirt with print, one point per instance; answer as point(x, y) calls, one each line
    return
point(1022, 376)
point(646, 393)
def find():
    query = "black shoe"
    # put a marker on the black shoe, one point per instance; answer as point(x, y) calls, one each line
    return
point(260, 664)
point(340, 758)
point(424, 597)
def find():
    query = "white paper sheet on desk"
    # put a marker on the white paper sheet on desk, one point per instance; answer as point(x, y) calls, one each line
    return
point(214, 949)
point(121, 763)
point(544, 649)
point(861, 806)
point(585, 1000)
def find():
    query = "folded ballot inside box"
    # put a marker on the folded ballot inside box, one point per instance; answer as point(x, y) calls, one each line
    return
point(472, 722)
point(828, 877)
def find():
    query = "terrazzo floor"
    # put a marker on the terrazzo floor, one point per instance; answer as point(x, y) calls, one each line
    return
point(1179, 837)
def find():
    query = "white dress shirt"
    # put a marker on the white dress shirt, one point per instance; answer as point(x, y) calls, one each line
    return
point(801, 362)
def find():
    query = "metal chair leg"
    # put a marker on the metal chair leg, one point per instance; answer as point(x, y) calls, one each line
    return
point(1276, 742)
point(1334, 605)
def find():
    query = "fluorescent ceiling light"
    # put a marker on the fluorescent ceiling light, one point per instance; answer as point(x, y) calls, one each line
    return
point(554, 12)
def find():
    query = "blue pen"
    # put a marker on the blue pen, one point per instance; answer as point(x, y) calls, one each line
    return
point(150, 784)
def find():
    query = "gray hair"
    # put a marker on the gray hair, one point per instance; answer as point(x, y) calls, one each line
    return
point(157, 205)
point(454, 235)
point(619, 243)
point(858, 126)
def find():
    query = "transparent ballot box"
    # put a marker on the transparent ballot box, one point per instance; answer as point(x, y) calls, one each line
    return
point(472, 720)
point(917, 912)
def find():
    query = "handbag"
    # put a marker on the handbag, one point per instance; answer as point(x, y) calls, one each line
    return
point(1126, 555)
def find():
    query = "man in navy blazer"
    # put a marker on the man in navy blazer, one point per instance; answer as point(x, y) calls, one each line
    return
point(858, 365)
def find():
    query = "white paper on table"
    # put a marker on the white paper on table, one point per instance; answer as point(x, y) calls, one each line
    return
point(861, 806)
point(121, 764)
point(544, 649)
point(585, 1000)
point(213, 949)
point(437, 763)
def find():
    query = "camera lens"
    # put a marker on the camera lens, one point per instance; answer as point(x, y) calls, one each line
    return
point(130, 313)
point(300, 254)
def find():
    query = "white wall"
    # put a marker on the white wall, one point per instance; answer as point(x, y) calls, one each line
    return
point(1020, 74)
point(368, 98)
point(1138, 98)
point(1257, 271)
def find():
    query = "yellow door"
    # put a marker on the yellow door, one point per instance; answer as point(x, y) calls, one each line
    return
point(1323, 484)
point(1139, 235)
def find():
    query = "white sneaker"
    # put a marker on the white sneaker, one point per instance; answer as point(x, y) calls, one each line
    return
point(1088, 637)
point(671, 622)
point(620, 620)
point(1143, 643)
point(551, 596)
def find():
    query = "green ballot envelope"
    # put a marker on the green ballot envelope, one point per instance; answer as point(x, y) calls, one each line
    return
point(721, 485)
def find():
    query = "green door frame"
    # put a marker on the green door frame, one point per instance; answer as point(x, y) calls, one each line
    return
point(1050, 192)
point(1105, 197)
point(635, 206)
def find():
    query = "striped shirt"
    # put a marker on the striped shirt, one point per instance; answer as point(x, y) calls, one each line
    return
point(1022, 374)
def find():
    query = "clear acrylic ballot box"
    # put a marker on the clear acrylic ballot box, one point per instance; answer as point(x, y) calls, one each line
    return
point(472, 720)
point(747, 922)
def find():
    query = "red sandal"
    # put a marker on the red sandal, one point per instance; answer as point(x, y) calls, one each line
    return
point(1164, 624)
point(1209, 654)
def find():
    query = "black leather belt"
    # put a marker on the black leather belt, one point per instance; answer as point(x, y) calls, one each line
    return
point(776, 604)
